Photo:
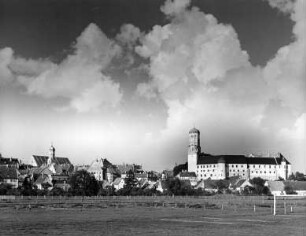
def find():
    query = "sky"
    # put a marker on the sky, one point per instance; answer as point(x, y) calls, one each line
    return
point(126, 80)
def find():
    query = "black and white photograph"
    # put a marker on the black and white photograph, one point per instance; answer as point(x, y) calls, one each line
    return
point(153, 117)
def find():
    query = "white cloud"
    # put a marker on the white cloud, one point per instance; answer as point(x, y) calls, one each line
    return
point(200, 71)
point(80, 76)
point(129, 34)
point(192, 48)
point(6, 56)
point(174, 7)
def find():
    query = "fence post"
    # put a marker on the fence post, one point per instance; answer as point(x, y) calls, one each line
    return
point(285, 210)
point(274, 210)
point(254, 208)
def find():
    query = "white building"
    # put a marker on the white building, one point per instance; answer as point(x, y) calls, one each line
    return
point(223, 166)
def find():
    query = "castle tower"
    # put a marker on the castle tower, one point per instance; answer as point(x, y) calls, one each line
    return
point(51, 154)
point(221, 168)
point(194, 149)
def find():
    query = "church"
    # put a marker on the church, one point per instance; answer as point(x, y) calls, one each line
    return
point(224, 166)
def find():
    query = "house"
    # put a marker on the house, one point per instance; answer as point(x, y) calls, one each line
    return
point(142, 176)
point(125, 168)
point(9, 175)
point(190, 176)
point(200, 185)
point(44, 181)
point(161, 186)
point(102, 169)
point(240, 185)
point(151, 185)
point(276, 187)
point(167, 174)
point(210, 185)
point(118, 183)
point(64, 162)
point(9, 162)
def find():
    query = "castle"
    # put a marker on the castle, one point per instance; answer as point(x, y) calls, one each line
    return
point(224, 166)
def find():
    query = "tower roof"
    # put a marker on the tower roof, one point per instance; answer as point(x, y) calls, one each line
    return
point(52, 148)
point(194, 130)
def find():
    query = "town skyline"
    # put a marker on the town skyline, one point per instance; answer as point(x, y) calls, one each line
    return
point(127, 81)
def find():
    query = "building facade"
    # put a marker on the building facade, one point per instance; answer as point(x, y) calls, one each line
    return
point(224, 166)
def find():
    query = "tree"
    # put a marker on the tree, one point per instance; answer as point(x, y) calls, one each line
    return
point(83, 184)
point(259, 185)
point(179, 168)
point(221, 185)
point(297, 176)
point(5, 188)
point(28, 188)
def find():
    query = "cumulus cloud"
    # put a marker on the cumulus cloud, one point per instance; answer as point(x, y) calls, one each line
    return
point(129, 34)
point(174, 7)
point(80, 76)
point(200, 71)
point(193, 48)
point(6, 56)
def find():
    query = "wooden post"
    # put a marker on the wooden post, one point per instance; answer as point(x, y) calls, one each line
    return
point(291, 209)
point(285, 210)
point(254, 208)
point(274, 208)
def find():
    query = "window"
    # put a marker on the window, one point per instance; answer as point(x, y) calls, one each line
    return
point(241, 166)
point(259, 166)
point(256, 172)
point(253, 166)
point(236, 166)
point(232, 165)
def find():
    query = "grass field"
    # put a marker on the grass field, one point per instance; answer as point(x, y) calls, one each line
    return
point(143, 219)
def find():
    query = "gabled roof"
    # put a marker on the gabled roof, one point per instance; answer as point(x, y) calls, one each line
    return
point(8, 173)
point(57, 160)
point(200, 184)
point(276, 185)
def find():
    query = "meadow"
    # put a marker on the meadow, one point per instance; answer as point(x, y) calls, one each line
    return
point(214, 215)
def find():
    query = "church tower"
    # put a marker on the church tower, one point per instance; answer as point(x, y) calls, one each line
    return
point(194, 149)
point(51, 154)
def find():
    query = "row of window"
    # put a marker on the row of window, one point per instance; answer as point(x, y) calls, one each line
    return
point(233, 166)
point(270, 172)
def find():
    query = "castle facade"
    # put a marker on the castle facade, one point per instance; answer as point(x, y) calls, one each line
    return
point(224, 166)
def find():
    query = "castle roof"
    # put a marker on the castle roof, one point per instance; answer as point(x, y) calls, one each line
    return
point(205, 158)
point(194, 130)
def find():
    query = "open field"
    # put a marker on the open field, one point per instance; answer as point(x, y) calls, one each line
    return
point(136, 216)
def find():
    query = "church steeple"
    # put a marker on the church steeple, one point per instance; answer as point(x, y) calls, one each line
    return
point(51, 154)
point(194, 141)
